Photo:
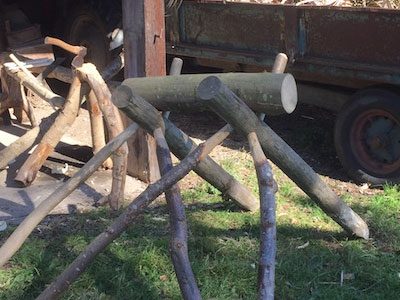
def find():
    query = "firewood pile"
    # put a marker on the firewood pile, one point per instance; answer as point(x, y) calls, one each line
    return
point(210, 91)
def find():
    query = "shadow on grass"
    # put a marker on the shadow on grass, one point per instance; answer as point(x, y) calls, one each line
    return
point(308, 130)
point(224, 254)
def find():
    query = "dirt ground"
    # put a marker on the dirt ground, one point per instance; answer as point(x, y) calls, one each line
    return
point(71, 154)
point(308, 130)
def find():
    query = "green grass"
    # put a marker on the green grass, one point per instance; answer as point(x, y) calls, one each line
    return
point(223, 249)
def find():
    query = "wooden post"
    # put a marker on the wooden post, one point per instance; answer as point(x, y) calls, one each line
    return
point(144, 44)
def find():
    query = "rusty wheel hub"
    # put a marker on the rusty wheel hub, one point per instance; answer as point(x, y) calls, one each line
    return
point(375, 138)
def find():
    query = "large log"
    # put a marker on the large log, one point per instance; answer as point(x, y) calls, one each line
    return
point(233, 110)
point(181, 145)
point(263, 92)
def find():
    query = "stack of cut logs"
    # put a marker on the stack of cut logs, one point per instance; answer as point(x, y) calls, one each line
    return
point(233, 97)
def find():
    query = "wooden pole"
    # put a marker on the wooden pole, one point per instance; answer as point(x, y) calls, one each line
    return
point(97, 127)
point(231, 108)
point(114, 125)
point(181, 145)
point(263, 92)
point(144, 44)
point(26, 142)
point(17, 238)
point(175, 69)
point(178, 244)
point(267, 189)
point(27, 173)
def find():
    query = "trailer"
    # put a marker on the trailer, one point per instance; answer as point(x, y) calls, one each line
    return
point(356, 48)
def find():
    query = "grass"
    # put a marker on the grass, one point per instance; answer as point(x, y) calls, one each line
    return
point(223, 249)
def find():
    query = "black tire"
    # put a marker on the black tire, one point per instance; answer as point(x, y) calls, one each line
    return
point(88, 29)
point(367, 137)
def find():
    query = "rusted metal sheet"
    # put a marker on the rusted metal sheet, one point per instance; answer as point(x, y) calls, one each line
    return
point(346, 46)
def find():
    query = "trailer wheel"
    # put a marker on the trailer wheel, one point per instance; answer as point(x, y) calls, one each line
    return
point(367, 137)
point(87, 29)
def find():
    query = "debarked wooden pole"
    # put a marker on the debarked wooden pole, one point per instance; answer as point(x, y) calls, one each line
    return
point(233, 110)
point(263, 92)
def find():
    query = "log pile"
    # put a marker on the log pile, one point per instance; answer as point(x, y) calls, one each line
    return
point(276, 91)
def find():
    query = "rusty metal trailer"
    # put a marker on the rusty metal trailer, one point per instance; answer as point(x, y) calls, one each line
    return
point(357, 48)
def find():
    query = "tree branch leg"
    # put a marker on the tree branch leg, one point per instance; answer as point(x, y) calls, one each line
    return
point(178, 242)
point(115, 126)
point(230, 107)
point(267, 190)
point(97, 127)
point(27, 173)
point(27, 141)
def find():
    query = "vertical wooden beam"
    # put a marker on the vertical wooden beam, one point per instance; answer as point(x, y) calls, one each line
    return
point(144, 44)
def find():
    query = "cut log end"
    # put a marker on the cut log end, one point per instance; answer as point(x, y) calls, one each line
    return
point(289, 93)
point(209, 87)
point(121, 96)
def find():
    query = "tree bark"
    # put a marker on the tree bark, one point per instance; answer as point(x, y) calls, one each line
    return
point(17, 238)
point(27, 173)
point(231, 108)
point(181, 145)
point(262, 92)
point(267, 189)
point(115, 127)
point(178, 244)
